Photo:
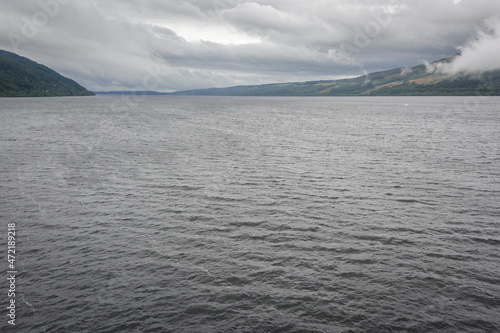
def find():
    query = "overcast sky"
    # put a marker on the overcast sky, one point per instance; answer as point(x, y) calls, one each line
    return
point(168, 45)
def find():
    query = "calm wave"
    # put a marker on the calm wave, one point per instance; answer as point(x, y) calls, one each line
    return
point(179, 214)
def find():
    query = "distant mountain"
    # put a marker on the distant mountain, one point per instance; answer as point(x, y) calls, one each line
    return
point(409, 81)
point(131, 92)
point(21, 77)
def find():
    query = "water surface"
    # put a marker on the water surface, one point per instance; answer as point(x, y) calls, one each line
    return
point(234, 214)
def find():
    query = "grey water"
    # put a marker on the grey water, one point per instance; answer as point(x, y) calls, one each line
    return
point(252, 214)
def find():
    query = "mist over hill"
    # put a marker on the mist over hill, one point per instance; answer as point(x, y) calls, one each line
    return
point(421, 80)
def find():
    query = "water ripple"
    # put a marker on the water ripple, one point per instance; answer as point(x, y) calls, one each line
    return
point(253, 214)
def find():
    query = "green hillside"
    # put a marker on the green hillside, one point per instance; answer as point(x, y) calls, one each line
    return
point(414, 81)
point(21, 77)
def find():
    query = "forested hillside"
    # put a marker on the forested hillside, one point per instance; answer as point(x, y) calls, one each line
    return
point(21, 77)
point(409, 81)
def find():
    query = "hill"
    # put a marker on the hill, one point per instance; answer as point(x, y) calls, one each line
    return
point(21, 77)
point(409, 81)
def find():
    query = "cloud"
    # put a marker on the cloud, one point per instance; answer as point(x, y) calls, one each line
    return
point(187, 44)
point(480, 54)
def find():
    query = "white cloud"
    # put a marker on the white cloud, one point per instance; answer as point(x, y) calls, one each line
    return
point(217, 33)
point(480, 54)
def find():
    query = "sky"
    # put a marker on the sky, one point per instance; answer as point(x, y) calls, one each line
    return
point(171, 45)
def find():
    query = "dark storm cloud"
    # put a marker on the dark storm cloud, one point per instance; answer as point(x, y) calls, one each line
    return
point(172, 45)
